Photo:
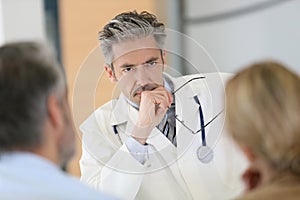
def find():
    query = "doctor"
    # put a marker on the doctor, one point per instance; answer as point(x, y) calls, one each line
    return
point(162, 138)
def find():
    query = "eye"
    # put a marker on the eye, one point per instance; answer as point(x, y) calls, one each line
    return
point(128, 69)
point(151, 64)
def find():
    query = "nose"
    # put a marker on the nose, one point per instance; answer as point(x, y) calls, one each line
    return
point(142, 76)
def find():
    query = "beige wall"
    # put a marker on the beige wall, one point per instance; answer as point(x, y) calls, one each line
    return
point(80, 22)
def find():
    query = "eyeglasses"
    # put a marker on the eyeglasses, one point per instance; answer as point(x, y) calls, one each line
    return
point(202, 128)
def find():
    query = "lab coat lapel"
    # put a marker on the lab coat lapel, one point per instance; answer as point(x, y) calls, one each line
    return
point(200, 176)
point(123, 117)
point(121, 111)
point(186, 111)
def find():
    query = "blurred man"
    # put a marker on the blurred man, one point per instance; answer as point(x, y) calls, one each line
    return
point(36, 130)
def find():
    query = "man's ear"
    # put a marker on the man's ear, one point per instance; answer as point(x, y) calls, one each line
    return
point(54, 112)
point(164, 57)
point(111, 74)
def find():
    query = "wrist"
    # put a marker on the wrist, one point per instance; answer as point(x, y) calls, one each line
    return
point(141, 134)
point(140, 140)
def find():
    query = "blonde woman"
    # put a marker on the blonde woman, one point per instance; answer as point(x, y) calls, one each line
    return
point(263, 117)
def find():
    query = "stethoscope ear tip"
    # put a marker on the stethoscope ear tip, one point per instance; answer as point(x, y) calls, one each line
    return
point(205, 154)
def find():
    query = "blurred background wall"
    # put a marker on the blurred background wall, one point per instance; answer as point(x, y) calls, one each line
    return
point(234, 33)
point(22, 20)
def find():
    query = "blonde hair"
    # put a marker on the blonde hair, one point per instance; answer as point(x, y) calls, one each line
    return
point(263, 113)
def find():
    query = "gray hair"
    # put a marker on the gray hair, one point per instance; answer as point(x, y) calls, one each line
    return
point(130, 26)
point(29, 73)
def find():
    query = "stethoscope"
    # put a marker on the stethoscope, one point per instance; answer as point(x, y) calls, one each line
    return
point(204, 152)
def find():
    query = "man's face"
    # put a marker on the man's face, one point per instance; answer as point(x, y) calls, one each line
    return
point(138, 66)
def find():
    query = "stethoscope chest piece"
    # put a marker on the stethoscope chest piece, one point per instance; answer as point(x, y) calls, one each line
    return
point(205, 154)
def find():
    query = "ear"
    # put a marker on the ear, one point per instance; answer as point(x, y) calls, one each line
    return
point(164, 56)
point(249, 153)
point(54, 112)
point(164, 59)
point(110, 73)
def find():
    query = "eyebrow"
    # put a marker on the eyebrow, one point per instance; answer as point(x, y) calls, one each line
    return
point(151, 60)
point(146, 62)
point(126, 65)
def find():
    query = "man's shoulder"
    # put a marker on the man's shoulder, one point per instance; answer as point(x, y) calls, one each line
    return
point(107, 107)
point(222, 76)
point(78, 190)
point(215, 80)
point(102, 112)
point(25, 172)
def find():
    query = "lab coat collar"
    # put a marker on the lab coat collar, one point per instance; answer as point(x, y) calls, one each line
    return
point(121, 115)
point(120, 111)
point(123, 112)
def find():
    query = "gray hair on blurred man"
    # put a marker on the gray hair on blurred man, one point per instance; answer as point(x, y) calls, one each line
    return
point(36, 128)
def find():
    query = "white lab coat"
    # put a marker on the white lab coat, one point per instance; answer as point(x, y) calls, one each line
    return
point(169, 172)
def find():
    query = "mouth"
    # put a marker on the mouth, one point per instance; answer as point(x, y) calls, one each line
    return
point(138, 91)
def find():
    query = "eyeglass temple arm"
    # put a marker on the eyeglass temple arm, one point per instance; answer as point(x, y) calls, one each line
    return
point(200, 77)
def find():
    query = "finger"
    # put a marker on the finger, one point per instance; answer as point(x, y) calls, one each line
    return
point(161, 111)
point(163, 92)
point(157, 97)
point(161, 100)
